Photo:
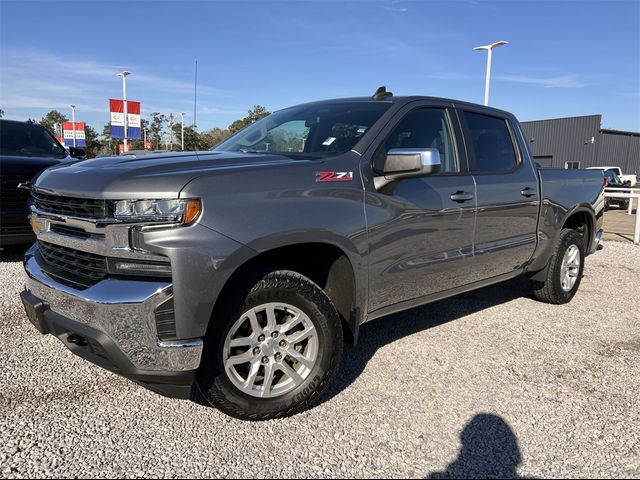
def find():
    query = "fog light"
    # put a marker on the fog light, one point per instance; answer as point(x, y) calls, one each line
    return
point(129, 267)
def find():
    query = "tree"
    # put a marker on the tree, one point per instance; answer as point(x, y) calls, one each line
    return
point(1, 113)
point(255, 114)
point(155, 129)
point(53, 121)
point(192, 140)
point(213, 137)
point(94, 145)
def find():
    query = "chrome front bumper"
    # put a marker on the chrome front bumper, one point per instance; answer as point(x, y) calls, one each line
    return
point(123, 310)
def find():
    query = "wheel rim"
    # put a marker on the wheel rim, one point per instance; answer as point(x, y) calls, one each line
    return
point(570, 268)
point(270, 350)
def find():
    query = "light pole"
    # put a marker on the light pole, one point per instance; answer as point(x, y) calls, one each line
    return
point(489, 49)
point(73, 123)
point(145, 138)
point(182, 117)
point(124, 105)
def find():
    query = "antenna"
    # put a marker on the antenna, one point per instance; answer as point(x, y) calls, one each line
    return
point(381, 93)
point(195, 97)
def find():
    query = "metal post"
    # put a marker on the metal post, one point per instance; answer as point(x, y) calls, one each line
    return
point(126, 114)
point(636, 235)
point(73, 124)
point(124, 107)
point(487, 77)
point(145, 139)
point(182, 116)
point(489, 49)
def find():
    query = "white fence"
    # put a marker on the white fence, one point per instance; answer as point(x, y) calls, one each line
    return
point(631, 194)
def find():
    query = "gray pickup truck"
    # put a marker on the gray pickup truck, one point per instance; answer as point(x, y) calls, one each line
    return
point(238, 273)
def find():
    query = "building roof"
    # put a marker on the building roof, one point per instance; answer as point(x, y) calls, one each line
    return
point(619, 132)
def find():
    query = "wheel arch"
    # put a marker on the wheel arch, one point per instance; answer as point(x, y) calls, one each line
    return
point(325, 263)
point(580, 218)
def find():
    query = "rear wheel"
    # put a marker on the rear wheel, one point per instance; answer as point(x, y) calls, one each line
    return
point(565, 269)
point(272, 353)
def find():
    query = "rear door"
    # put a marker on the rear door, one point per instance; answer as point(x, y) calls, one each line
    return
point(507, 194)
point(420, 229)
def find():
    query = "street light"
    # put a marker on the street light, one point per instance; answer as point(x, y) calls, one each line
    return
point(124, 104)
point(182, 116)
point(489, 49)
point(73, 123)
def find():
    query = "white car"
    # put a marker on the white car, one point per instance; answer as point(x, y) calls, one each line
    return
point(618, 171)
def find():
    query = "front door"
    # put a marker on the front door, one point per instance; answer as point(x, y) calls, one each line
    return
point(420, 229)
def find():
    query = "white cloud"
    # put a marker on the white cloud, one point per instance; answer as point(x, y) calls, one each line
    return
point(394, 9)
point(34, 79)
point(33, 82)
point(561, 81)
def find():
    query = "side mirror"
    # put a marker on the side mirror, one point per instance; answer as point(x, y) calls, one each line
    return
point(78, 153)
point(408, 163)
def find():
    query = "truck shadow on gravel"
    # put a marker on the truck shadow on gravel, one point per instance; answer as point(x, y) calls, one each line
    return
point(385, 330)
point(489, 450)
point(13, 253)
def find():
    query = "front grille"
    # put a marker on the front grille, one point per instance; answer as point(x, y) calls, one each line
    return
point(10, 194)
point(70, 206)
point(72, 267)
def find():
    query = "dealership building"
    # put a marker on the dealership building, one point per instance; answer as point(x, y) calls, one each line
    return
point(581, 142)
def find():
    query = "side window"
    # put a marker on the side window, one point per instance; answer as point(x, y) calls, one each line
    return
point(426, 128)
point(492, 143)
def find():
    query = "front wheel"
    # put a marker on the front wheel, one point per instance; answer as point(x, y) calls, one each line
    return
point(272, 353)
point(565, 269)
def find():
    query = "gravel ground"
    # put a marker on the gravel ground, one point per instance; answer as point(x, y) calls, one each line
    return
point(487, 383)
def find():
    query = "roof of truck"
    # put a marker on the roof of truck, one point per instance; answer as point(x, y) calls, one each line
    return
point(412, 98)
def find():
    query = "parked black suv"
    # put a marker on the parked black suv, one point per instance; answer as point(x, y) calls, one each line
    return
point(25, 150)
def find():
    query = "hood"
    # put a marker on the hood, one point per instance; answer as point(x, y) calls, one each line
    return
point(145, 176)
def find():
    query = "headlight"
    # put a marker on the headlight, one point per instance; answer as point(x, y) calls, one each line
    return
point(185, 211)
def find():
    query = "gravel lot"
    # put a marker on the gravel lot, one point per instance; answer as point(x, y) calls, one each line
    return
point(487, 383)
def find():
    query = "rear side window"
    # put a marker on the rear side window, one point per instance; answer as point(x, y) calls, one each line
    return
point(492, 143)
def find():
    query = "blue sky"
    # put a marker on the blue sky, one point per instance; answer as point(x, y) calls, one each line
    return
point(564, 58)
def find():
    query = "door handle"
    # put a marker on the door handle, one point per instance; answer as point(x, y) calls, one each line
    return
point(461, 196)
point(528, 192)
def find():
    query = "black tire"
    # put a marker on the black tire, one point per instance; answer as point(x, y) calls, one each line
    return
point(277, 286)
point(550, 290)
point(624, 205)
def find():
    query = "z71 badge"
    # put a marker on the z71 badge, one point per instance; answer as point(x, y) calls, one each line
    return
point(334, 176)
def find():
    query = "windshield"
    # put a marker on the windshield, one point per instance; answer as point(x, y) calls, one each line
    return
point(28, 140)
point(308, 131)
point(613, 178)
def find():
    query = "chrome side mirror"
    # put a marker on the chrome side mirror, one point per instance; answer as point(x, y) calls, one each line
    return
point(408, 163)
